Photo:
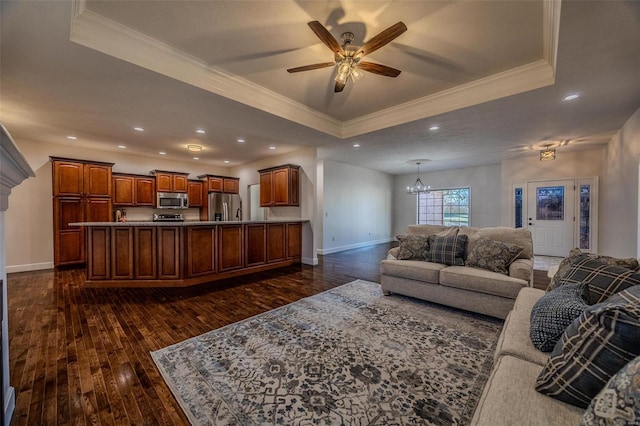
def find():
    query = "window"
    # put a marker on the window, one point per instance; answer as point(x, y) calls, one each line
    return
point(449, 207)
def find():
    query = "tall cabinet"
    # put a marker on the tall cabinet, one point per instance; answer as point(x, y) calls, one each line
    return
point(81, 193)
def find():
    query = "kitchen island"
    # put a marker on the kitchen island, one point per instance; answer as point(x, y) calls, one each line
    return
point(180, 254)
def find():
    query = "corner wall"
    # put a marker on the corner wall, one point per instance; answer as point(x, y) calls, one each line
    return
point(356, 207)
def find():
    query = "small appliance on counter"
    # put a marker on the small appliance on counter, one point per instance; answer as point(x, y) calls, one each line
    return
point(225, 207)
point(172, 200)
point(168, 217)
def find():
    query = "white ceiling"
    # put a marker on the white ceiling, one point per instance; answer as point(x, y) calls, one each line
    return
point(491, 74)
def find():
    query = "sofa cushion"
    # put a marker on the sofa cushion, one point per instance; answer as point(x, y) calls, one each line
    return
point(618, 403)
point(554, 312)
point(523, 269)
point(592, 349)
point(602, 278)
point(565, 266)
point(492, 255)
point(447, 250)
point(518, 236)
point(482, 281)
point(417, 270)
point(509, 398)
point(514, 339)
point(413, 247)
point(432, 230)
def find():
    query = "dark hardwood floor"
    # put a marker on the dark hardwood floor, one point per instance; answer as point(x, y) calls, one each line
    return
point(81, 356)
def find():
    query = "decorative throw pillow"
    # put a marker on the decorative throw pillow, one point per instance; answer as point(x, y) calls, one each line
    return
point(413, 247)
point(554, 312)
point(592, 349)
point(602, 278)
point(565, 265)
point(493, 255)
point(618, 403)
point(447, 250)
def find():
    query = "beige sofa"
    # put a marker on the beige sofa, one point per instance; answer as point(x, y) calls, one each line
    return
point(509, 397)
point(463, 287)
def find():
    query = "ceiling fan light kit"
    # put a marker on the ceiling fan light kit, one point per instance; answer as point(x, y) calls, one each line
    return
point(348, 57)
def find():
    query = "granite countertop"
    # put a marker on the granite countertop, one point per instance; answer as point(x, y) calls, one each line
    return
point(185, 223)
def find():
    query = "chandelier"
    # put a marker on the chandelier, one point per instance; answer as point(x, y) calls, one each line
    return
point(418, 186)
point(548, 154)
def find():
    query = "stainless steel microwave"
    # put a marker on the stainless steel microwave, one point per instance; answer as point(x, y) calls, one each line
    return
point(172, 200)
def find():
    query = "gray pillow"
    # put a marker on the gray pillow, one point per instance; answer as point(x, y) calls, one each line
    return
point(493, 255)
point(554, 312)
point(413, 247)
point(447, 250)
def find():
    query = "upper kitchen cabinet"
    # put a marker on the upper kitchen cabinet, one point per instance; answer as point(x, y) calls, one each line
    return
point(280, 186)
point(226, 184)
point(133, 190)
point(77, 178)
point(170, 181)
point(195, 190)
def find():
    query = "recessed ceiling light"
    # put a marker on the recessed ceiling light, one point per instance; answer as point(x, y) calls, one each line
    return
point(201, 131)
point(196, 158)
point(571, 97)
point(162, 153)
point(194, 148)
point(73, 138)
point(121, 146)
point(356, 145)
point(240, 140)
point(272, 147)
point(138, 129)
point(434, 127)
point(226, 161)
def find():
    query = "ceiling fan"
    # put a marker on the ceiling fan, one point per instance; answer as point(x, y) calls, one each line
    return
point(348, 57)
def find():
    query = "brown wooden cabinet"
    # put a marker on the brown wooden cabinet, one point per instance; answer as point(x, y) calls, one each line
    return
point(226, 184)
point(230, 243)
point(170, 181)
point(144, 255)
point(201, 251)
point(145, 191)
point(169, 258)
point(256, 244)
point(195, 190)
point(276, 242)
point(82, 192)
point(133, 190)
point(280, 186)
point(294, 240)
point(122, 255)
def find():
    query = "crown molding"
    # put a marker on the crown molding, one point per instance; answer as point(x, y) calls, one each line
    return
point(13, 167)
point(94, 31)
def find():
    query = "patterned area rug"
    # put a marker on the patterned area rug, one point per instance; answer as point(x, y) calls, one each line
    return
point(348, 356)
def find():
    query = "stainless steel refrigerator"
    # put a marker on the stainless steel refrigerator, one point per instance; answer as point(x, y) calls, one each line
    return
point(225, 207)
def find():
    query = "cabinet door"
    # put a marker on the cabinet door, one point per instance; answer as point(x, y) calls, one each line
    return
point(201, 242)
point(256, 244)
point(144, 257)
point(168, 252)
point(294, 187)
point(266, 190)
point(230, 244)
point(179, 183)
point(164, 183)
point(123, 191)
point(275, 242)
point(98, 210)
point(215, 184)
point(281, 187)
point(99, 255)
point(294, 240)
point(122, 253)
point(231, 186)
point(145, 192)
point(97, 180)
point(68, 240)
point(68, 178)
point(194, 191)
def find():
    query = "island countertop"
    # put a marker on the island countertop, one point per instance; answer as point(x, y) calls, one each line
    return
point(187, 222)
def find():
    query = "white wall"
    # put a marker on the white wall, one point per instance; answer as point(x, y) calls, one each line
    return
point(619, 220)
point(356, 207)
point(29, 222)
point(484, 182)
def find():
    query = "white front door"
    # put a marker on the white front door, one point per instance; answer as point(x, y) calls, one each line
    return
point(550, 216)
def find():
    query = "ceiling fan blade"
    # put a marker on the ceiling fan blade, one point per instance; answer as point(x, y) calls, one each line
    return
point(325, 36)
point(311, 67)
point(381, 39)
point(379, 69)
point(339, 87)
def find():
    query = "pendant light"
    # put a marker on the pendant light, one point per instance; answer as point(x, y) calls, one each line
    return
point(418, 186)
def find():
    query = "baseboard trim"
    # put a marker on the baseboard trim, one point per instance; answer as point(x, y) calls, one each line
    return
point(310, 261)
point(29, 267)
point(354, 246)
point(9, 405)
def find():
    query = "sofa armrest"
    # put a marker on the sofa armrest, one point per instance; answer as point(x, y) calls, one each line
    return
point(393, 253)
point(523, 269)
